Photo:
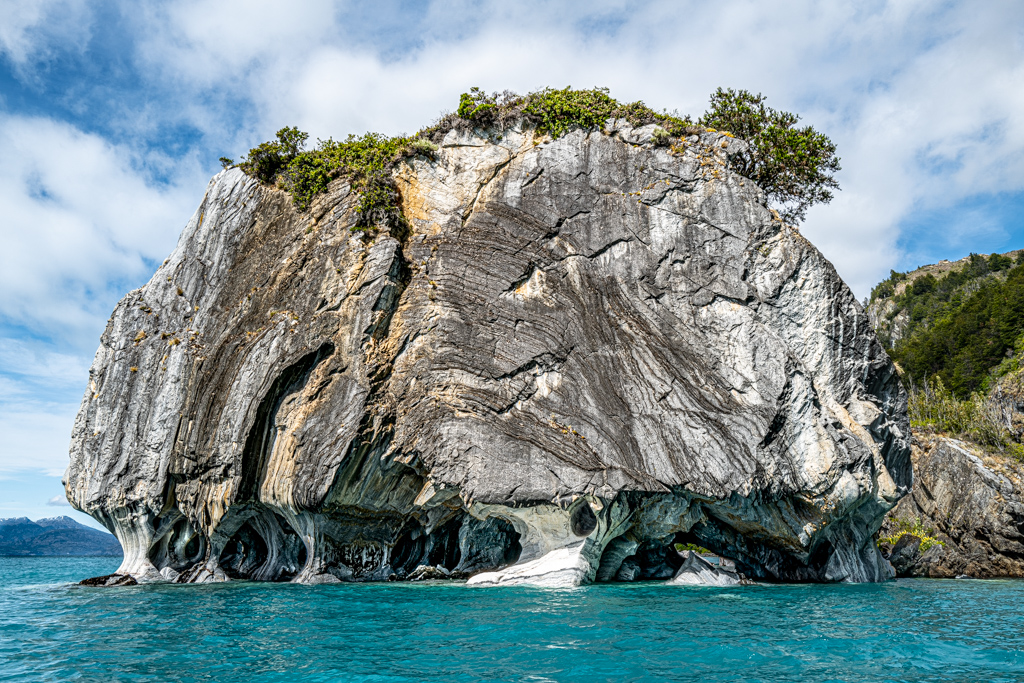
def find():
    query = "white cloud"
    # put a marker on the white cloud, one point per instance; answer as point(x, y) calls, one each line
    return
point(59, 502)
point(35, 437)
point(32, 364)
point(30, 29)
point(80, 219)
point(924, 100)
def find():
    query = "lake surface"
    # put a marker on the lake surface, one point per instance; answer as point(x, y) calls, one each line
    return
point(909, 630)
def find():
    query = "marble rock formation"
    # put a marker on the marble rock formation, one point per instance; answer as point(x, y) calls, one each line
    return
point(581, 351)
point(699, 571)
point(970, 503)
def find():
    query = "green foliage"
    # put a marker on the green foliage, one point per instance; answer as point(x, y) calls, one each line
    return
point(694, 547)
point(475, 105)
point(962, 326)
point(795, 166)
point(915, 528)
point(933, 406)
point(792, 164)
point(225, 162)
point(886, 288)
point(661, 137)
point(366, 161)
point(556, 112)
point(423, 146)
point(268, 159)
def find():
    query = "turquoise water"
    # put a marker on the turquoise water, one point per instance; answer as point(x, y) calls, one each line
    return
point(914, 630)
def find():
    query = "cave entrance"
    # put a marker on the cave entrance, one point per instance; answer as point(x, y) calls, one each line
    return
point(488, 544)
point(408, 549)
point(290, 555)
point(259, 443)
point(244, 553)
point(444, 545)
point(179, 548)
point(627, 560)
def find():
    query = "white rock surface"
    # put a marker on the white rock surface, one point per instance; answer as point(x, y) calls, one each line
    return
point(583, 344)
point(698, 571)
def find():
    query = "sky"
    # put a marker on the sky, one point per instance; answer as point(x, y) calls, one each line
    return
point(113, 115)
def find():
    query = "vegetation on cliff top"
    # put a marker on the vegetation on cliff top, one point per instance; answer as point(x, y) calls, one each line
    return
point(965, 328)
point(958, 334)
point(933, 407)
point(794, 166)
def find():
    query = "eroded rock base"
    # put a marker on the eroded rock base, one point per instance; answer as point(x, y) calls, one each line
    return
point(632, 538)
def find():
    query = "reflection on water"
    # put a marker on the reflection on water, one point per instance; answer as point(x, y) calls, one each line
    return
point(903, 631)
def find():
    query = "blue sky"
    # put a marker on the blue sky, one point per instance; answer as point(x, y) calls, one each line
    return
point(113, 115)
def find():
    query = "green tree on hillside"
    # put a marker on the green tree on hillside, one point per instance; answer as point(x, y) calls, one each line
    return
point(794, 165)
point(969, 337)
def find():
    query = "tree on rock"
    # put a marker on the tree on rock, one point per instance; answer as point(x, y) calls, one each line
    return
point(795, 166)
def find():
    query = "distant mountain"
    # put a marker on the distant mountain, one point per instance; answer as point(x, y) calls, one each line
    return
point(55, 536)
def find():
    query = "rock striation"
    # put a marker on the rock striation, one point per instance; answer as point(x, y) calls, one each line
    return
point(968, 504)
point(700, 571)
point(581, 351)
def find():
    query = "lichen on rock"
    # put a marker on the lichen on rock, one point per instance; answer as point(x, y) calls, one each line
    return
point(578, 351)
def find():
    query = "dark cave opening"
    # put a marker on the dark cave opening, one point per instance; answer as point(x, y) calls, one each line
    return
point(444, 545)
point(463, 543)
point(181, 547)
point(244, 553)
point(488, 544)
point(192, 548)
point(652, 560)
point(582, 519)
point(408, 549)
point(259, 443)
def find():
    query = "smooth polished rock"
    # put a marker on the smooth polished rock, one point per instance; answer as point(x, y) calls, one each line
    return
point(578, 340)
point(699, 571)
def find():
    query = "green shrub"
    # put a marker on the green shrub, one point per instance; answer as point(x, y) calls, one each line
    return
point(694, 547)
point(268, 159)
point(795, 166)
point(973, 418)
point(998, 262)
point(365, 161)
point(423, 146)
point(791, 161)
point(553, 112)
point(661, 137)
point(915, 528)
point(962, 326)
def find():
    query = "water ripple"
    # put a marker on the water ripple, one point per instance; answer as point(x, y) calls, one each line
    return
point(52, 630)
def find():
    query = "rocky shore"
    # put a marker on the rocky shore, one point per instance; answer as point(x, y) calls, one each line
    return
point(964, 517)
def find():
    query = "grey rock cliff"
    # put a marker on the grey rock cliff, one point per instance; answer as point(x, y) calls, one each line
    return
point(973, 505)
point(585, 349)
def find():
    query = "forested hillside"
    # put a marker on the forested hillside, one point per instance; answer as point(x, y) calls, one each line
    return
point(956, 332)
point(960, 322)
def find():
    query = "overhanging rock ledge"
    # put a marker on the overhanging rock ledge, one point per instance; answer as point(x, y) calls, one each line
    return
point(584, 351)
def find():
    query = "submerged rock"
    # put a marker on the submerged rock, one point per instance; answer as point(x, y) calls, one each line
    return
point(110, 580)
point(699, 571)
point(581, 349)
point(970, 508)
